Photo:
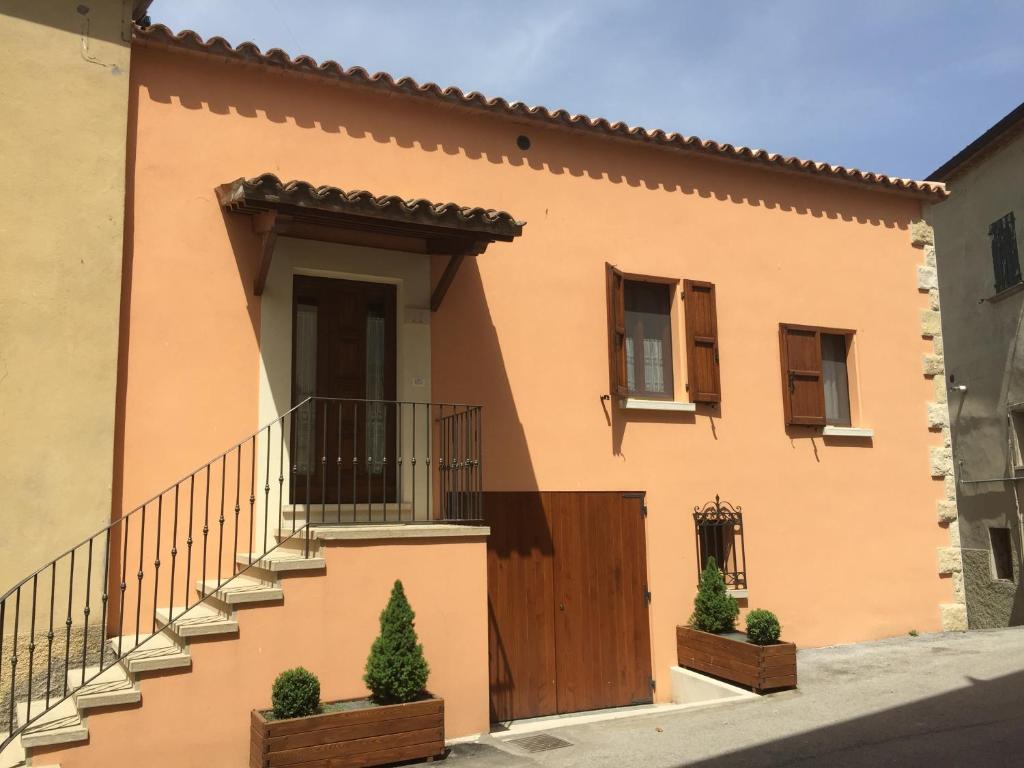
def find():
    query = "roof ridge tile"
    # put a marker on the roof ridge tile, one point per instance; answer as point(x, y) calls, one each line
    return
point(159, 34)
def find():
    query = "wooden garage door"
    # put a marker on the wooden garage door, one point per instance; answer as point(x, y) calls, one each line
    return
point(569, 626)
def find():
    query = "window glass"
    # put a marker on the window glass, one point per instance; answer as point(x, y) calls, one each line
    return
point(836, 379)
point(305, 383)
point(648, 338)
point(376, 349)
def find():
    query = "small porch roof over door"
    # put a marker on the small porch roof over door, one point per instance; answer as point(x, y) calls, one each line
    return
point(300, 209)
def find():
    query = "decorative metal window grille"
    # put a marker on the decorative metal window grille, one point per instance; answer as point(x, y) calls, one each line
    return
point(1005, 260)
point(719, 527)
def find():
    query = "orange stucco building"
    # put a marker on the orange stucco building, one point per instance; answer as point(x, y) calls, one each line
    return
point(654, 322)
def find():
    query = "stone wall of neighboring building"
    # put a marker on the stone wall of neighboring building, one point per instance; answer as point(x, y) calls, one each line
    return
point(64, 92)
point(983, 348)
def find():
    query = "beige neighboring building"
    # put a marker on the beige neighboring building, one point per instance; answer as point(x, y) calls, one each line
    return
point(64, 93)
point(978, 246)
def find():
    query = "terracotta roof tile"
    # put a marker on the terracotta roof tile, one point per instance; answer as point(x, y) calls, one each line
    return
point(253, 194)
point(158, 34)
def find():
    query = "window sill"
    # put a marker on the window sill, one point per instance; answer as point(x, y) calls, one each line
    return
point(637, 404)
point(739, 594)
point(1005, 293)
point(854, 432)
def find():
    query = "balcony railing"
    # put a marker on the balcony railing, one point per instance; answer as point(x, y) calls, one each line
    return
point(325, 462)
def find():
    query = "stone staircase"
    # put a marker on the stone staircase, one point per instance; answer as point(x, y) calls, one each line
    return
point(119, 685)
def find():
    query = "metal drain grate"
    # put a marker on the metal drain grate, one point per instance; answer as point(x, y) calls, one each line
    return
point(540, 742)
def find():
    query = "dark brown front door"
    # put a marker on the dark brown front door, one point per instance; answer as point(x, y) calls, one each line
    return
point(567, 579)
point(344, 350)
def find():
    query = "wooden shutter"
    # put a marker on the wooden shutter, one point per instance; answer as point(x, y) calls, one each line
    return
point(702, 366)
point(616, 330)
point(803, 390)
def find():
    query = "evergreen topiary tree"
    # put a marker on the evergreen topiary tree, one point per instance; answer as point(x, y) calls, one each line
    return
point(296, 693)
point(396, 671)
point(713, 609)
point(763, 627)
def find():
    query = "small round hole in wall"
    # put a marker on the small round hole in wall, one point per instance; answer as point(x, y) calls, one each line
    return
point(523, 142)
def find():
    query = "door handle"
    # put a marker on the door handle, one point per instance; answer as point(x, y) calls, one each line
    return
point(561, 606)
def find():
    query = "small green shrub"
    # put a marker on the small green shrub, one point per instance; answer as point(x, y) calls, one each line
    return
point(296, 694)
point(396, 671)
point(713, 609)
point(913, 633)
point(763, 627)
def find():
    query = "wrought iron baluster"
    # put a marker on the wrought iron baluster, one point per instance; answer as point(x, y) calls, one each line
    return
point(188, 542)
point(399, 449)
point(413, 461)
point(105, 598)
point(32, 646)
point(323, 468)
point(238, 506)
point(280, 481)
point(338, 463)
point(206, 529)
point(355, 459)
point(14, 657)
point(174, 555)
point(49, 633)
point(220, 518)
point(309, 462)
point(384, 462)
point(368, 463)
point(266, 492)
point(252, 495)
point(3, 625)
point(156, 560)
point(86, 610)
point(142, 553)
point(67, 621)
point(430, 441)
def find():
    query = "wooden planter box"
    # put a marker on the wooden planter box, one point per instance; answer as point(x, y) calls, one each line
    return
point(356, 737)
point(761, 667)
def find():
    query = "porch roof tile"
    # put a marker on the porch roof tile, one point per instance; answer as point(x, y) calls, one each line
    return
point(267, 191)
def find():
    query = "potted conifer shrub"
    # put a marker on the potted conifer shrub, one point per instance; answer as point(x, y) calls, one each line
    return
point(398, 721)
point(710, 644)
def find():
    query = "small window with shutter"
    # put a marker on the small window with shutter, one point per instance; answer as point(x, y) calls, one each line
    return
point(1005, 261)
point(640, 343)
point(815, 375)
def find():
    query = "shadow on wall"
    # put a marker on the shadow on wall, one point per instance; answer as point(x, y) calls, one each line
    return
point(410, 123)
point(975, 725)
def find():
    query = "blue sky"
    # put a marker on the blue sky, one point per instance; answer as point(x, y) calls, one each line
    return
point(882, 85)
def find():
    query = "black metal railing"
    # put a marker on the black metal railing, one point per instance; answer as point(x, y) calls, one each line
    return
point(719, 528)
point(326, 461)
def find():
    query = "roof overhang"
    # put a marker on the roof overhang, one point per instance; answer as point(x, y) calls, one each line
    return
point(300, 209)
point(1004, 131)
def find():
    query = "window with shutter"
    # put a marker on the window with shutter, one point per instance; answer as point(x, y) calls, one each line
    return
point(815, 375)
point(1005, 261)
point(702, 359)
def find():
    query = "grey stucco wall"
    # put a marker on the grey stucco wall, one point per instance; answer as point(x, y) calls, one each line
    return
point(983, 338)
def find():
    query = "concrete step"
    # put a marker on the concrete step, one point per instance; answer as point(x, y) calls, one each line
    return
point(241, 589)
point(282, 559)
point(13, 755)
point(63, 724)
point(201, 620)
point(111, 687)
point(159, 652)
